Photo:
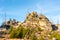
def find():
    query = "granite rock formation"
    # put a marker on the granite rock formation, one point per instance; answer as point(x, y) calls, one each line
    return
point(33, 21)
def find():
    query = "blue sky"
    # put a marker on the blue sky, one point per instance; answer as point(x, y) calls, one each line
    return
point(17, 9)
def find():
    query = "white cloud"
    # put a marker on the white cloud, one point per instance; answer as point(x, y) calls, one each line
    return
point(47, 8)
point(54, 19)
point(50, 8)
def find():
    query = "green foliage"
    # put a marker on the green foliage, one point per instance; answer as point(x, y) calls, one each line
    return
point(4, 32)
point(33, 37)
point(22, 32)
point(56, 35)
point(18, 33)
point(41, 37)
point(11, 29)
point(13, 34)
point(39, 29)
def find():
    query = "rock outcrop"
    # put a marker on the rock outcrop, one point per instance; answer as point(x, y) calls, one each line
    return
point(44, 22)
point(11, 23)
point(33, 21)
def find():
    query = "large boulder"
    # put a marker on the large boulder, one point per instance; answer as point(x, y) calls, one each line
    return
point(44, 22)
point(33, 21)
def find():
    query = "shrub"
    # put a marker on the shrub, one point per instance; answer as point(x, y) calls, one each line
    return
point(11, 29)
point(56, 35)
point(33, 37)
point(20, 32)
point(39, 29)
point(13, 34)
point(4, 32)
